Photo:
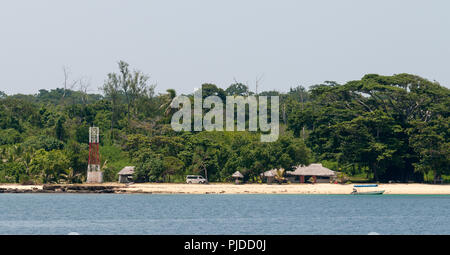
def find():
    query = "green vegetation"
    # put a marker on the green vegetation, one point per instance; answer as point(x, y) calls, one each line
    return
point(379, 128)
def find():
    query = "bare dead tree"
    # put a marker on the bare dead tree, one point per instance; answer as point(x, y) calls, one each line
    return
point(83, 86)
point(257, 80)
point(67, 85)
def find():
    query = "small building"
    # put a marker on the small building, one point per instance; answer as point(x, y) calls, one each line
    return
point(237, 175)
point(318, 173)
point(126, 174)
point(273, 175)
point(269, 175)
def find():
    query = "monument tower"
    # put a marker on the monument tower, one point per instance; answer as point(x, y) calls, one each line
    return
point(94, 174)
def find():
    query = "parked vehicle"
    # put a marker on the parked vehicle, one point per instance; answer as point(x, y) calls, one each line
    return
point(190, 179)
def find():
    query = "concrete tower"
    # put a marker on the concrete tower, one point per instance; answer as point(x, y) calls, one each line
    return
point(94, 174)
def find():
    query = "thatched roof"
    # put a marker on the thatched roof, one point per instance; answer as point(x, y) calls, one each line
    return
point(271, 173)
point(128, 170)
point(237, 174)
point(313, 169)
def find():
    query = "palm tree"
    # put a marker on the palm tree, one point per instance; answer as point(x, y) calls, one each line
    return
point(168, 98)
point(279, 176)
point(70, 176)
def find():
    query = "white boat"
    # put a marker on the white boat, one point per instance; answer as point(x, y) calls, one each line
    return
point(368, 192)
point(379, 192)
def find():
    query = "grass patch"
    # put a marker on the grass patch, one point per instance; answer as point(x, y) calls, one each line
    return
point(116, 159)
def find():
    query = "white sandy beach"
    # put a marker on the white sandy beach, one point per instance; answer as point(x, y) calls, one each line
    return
point(285, 189)
point(224, 188)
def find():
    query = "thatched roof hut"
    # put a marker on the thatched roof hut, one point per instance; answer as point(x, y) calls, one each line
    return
point(126, 174)
point(272, 174)
point(127, 170)
point(314, 170)
point(269, 173)
point(237, 174)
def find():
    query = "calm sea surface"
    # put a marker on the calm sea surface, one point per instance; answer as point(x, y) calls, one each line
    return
point(222, 214)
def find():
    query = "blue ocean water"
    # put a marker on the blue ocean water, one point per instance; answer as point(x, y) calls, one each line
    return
point(222, 214)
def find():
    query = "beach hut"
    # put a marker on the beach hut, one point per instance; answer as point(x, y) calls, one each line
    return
point(269, 175)
point(126, 174)
point(318, 173)
point(237, 175)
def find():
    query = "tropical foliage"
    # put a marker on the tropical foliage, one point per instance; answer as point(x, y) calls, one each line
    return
point(388, 128)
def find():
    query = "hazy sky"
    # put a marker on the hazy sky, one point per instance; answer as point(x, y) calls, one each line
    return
point(182, 44)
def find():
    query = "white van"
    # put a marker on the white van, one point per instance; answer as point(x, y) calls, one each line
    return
point(195, 179)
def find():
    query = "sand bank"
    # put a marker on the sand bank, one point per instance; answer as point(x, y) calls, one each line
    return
point(166, 188)
point(285, 188)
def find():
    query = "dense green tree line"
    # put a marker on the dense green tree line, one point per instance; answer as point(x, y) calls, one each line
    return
point(395, 127)
point(386, 128)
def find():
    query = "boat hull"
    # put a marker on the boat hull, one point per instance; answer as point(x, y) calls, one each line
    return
point(379, 192)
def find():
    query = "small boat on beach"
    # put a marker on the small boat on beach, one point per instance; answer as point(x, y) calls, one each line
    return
point(380, 192)
point(366, 192)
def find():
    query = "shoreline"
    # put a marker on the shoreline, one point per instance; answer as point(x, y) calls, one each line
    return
point(224, 188)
